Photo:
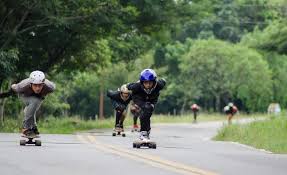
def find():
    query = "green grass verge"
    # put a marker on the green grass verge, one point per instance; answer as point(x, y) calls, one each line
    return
point(270, 134)
point(67, 125)
point(70, 125)
point(63, 125)
point(203, 117)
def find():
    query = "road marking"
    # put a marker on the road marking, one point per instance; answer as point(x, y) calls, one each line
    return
point(250, 147)
point(146, 158)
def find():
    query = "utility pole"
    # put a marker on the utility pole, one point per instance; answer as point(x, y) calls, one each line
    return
point(101, 106)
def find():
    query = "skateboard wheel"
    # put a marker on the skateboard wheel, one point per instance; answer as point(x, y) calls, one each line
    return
point(38, 142)
point(152, 145)
point(22, 142)
point(134, 145)
point(123, 134)
point(114, 134)
point(138, 145)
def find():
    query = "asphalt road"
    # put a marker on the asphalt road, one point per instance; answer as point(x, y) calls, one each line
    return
point(181, 149)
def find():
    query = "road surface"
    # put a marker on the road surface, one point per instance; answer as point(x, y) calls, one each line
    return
point(181, 149)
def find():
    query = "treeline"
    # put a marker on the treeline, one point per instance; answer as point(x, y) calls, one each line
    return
point(210, 51)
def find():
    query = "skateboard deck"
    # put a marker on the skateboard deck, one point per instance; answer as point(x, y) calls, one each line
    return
point(144, 143)
point(119, 132)
point(30, 140)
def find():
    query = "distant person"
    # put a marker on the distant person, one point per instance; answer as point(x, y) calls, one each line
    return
point(230, 111)
point(120, 100)
point(32, 92)
point(145, 95)
point(195, 109)
point(135, 110)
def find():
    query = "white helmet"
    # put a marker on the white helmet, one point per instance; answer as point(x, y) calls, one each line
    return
point(124, 89)
point(37, 77)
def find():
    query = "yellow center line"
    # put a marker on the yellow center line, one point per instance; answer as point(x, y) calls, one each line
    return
point(151, 163)
point(146, 158)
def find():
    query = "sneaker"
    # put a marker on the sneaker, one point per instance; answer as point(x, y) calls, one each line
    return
point(122, 126)
point(118, 128)
point(144, 135)
point(27, 132)
point(35, 130)
point(135, 126)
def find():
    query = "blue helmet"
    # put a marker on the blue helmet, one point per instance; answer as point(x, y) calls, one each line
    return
point(148, 75)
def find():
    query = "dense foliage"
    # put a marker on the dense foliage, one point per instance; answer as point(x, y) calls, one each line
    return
point(210, 51)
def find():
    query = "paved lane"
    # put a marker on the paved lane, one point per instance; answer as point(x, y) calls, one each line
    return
point(65, 154)
point(191, 145)
point(182, 149)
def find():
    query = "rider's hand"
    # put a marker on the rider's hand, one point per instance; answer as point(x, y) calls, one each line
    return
point(13, 87)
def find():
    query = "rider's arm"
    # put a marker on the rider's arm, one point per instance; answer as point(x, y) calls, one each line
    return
point(20, 87)
point(134, 87)
point(161, 83)
point(50, 86)
point(112, 94)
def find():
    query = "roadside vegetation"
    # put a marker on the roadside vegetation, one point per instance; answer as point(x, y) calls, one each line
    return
point(270, 134)
point(68, 125)
point(210, 52)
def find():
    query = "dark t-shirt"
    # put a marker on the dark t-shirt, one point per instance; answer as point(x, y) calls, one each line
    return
point(140, 96)
point(116, 97)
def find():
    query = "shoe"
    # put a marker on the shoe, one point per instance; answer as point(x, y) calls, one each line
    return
point(27, 132)
point(122, 126)
point(135, 126)
point(35, 130)
point(118, 128)
point(144, 135)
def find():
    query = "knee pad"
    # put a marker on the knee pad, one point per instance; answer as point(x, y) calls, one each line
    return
point(148, 109)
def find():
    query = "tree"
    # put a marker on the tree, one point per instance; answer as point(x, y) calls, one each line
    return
point(222, 71)
point(271, 39)
point(278, 65)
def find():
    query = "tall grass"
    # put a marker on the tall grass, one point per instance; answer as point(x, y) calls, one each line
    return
point(270, 134)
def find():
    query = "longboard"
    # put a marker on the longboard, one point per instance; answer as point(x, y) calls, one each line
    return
point(144, 143)
point(31, 140)
point(118, 132)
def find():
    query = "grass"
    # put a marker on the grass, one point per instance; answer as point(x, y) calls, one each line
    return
point(10, 125)
point(70, 125)
point(270, 134)
point(64, 125)
point(67, 125)
point(203, 117)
